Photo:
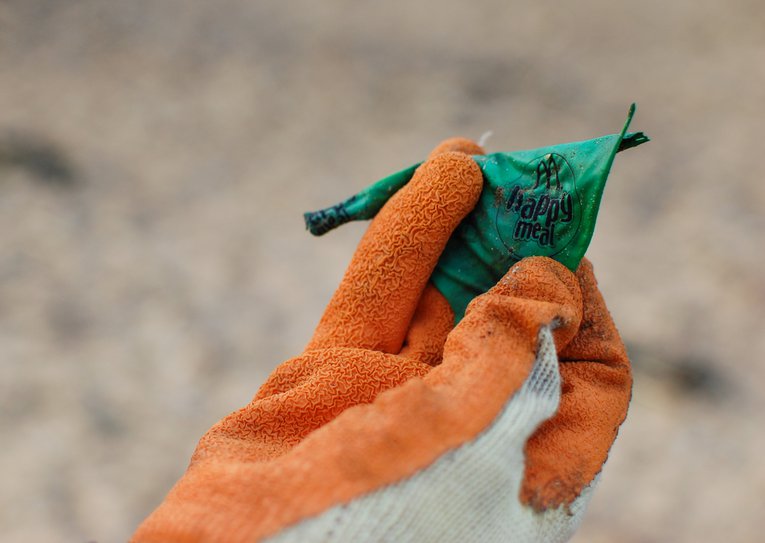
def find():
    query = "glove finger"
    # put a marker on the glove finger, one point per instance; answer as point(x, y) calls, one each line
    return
point(597, 338)
point(378, 296)
point(431, 324)
point(460, 145)
point(568, 450)
point(537, 291)
point(434, 318)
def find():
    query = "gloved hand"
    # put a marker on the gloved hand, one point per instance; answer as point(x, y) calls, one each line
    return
point(395, 426)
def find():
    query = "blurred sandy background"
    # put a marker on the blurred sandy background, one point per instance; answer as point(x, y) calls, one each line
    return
point(155, 159)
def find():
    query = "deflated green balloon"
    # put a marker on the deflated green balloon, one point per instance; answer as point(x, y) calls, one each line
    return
point(542, 202)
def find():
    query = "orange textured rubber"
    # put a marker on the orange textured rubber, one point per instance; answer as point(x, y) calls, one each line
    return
point(569, 450)
point(386, 386)
point(380, 291)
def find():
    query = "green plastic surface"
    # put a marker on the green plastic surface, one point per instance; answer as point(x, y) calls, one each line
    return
point(542, 202)
point(361, 206)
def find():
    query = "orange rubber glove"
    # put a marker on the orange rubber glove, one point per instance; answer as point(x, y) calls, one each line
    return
point(393, 425)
